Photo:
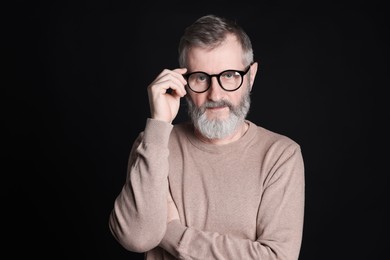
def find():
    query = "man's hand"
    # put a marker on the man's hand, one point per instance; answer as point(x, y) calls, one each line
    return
point(164, 106)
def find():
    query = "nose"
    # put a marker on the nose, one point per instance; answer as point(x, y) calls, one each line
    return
point(215, 91)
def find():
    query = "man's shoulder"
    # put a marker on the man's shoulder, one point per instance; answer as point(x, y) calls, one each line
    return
point(183, 126)
point(272, 137)
point(182, 129)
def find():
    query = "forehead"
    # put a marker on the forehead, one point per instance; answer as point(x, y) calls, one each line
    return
point(227, 55)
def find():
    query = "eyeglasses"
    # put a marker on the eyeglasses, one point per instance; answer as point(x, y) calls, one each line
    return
point(229, 80)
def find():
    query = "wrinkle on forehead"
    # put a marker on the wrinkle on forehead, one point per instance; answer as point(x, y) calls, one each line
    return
point(227, 55)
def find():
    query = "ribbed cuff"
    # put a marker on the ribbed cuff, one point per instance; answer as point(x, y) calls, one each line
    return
point(157, 132)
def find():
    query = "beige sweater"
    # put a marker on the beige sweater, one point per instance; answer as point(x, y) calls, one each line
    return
point(243, 200)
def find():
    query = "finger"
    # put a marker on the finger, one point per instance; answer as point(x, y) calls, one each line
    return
point(177, 87)
point(172, 81)
point(178, 73)
point(180, 70)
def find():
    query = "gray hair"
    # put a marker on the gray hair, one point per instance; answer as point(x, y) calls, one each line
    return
point(210, 31)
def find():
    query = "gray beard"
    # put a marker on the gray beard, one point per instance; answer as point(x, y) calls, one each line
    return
point(217, 128)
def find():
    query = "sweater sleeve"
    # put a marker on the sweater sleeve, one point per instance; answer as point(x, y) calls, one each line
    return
point(279, 222)
point(138, 219)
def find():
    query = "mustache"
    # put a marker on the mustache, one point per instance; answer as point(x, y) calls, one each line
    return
point(219, 103)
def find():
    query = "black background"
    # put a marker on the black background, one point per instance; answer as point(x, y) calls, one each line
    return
point(75, 100)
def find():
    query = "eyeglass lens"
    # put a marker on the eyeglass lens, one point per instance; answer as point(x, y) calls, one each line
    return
point(229, 80)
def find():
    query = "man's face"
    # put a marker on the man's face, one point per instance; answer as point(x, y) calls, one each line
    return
point(216, 112)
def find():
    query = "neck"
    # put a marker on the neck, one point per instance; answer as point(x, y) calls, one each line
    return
point(237, 134)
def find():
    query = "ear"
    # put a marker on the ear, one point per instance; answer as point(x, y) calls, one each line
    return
point(253, 72)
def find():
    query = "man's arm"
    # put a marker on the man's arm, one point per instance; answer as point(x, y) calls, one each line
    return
point(138, 219)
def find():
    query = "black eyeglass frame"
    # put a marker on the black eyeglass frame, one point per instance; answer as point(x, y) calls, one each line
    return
point(242, 73)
